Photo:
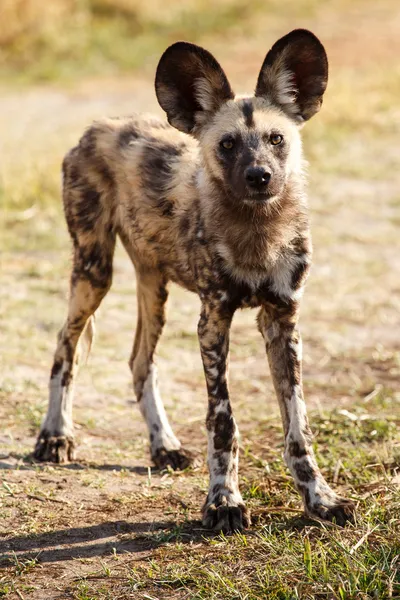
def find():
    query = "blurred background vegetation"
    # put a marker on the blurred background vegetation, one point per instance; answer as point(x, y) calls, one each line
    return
point(42, 40)
point(62, 39)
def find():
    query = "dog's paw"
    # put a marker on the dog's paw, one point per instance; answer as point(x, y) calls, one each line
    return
point(332, 508)
point(222, 516)
point(178, 460)
point(54, 448)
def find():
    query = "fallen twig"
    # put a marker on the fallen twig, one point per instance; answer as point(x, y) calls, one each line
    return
point(47, 499)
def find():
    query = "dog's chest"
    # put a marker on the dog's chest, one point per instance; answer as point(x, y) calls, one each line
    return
point(274, 284)
point(247, 288)
point(242, 295)
point(222, 275)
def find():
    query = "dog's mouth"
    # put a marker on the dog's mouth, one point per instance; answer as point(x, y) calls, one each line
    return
point(256, 198)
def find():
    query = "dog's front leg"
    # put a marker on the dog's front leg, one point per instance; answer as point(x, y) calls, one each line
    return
point(283, 343)
point(224, 509)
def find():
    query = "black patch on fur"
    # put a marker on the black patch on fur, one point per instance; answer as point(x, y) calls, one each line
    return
point(87, 209)
point(296, 450)
point(184, 225)
point(293, 364)
point(304, 472)
point(105, 172)
point(73, 176)
point(66, 378)
point(248, 112)
point(219, 456)
point(305, 492)
point(156, 171)
point(223, 431)
point(93, 263)
point(168, 209)
point(57, 366)
point(127, 134)
point(88, 143)
point(162, 294)
point(220, 387)
point(240, 293)
point(234, 163)
point(299, 275)
point(217, 488)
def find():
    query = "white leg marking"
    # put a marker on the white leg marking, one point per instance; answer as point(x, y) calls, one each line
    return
point(152, 409)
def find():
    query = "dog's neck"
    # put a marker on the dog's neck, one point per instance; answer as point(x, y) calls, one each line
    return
point(252, 237)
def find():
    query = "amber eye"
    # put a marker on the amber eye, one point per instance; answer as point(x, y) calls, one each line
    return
point(227, 144)
point(276, 139)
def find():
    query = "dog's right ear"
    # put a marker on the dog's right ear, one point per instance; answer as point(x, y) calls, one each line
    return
point(190, 86)
point(294, 74)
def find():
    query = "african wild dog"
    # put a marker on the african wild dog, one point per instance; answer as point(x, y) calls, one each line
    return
point(222, 212)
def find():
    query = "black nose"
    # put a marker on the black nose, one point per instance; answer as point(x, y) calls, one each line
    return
point(257, 177)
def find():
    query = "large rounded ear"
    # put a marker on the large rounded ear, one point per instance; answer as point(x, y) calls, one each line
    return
point(190, 85)
point(294, 74)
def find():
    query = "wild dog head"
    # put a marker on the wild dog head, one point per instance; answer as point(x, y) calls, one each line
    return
point(251, 145)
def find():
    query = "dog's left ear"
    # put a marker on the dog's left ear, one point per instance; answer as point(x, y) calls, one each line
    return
point(294, 74)
point(190, 86)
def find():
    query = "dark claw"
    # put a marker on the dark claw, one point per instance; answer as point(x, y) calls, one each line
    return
point(226, 519)
point(341, 513)
point(178, 460)
point(56, 449)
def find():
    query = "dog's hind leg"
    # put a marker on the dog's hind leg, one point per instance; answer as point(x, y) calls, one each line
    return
point(90, 281)
point(88, 203)
point(152, 296)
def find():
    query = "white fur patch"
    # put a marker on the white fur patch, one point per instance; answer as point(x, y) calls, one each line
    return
point(285, 88)
point(229, 479)
point(279, 82)
point(317, 487)
point(297, 415)
point(204, 94)
point(153, 411)
point(281, 275)
point(58, 420)
point(297, 347)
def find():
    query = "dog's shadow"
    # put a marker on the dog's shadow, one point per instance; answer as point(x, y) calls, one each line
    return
point(116, 537)
point(101, 539)
point(121, 536)
point(26, 462)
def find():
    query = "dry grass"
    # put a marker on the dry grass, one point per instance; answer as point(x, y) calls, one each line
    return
point(107, 527)
point(69, 38)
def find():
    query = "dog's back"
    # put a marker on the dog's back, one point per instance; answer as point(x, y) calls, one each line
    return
point(134, 177)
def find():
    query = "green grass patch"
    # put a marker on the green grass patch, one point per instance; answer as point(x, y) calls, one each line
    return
point(286, 556)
